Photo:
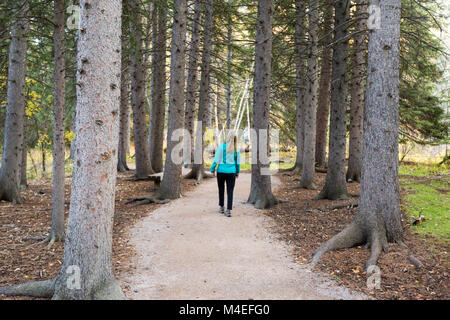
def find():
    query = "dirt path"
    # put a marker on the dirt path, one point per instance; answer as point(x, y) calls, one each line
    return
point(187, 250)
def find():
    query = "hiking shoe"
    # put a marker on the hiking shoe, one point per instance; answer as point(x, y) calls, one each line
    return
point(228, 213)
point(221, 210)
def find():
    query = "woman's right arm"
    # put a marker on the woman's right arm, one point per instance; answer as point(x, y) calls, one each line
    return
point(216, 160)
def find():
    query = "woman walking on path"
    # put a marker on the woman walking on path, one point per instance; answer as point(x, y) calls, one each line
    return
point(227, 161)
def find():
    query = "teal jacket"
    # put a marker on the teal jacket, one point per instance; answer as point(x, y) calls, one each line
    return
point(226, 162)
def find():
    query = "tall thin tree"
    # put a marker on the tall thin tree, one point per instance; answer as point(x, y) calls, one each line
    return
point(158, 91)
point(59, 95)
point(86, 272)
point(198, 170)
point(138, 93)
point(124, 125)
point(261, 189)
point(171, 182)
point(357, 92)
point(15, 108)
point(309, 119)
point(323, 104)
point(192, 84)
point(335, 183)
point(300, 77)
point(378, 220)
point(229, 66)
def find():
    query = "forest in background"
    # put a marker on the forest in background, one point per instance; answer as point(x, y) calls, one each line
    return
point(311, 49)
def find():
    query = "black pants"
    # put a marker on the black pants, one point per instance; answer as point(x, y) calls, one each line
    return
point(230, 179)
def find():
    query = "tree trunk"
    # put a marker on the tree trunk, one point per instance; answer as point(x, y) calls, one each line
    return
point(87, 253)
point(261, 190)
point(73, 120)
point(192, 85)
point(171, 182)
point(74, 111)
point(138, 89)
point(209, 107)
point(309, 119)
point(15, 108)
point(335, 183)
point(124, 125)
point(357, 92)
point(323, 107)
point(300, 61)
point(59, 95)
point(378, 220)
point(158, 103)
point(198, 171)
point(23, 165)
point(149, 32)
point(229, 70)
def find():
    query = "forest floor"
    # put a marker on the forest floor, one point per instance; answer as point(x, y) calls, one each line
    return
point(23, 260)
point(305, 224)
point(186, 249)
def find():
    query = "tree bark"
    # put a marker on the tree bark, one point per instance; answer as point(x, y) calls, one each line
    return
point(229, 70)
point(89, 230)
point(23, 164)
point(378, 219)
point(171, 182)
point(309, 120)
point(300, 62)
point(357, 92)
point(138, 90)
point(198, 170)
point(323, 106)
point(192, 84)
point(335, 183)
point(158, 93)
point(15, 108)
point(379, 185)
point(73, 117)
point(124, 125)
point(261, 190)
point(59, 95)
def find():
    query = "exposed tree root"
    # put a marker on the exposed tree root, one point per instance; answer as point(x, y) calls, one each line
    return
point(307, 186)
point(50, 289)
point(122, 166)
point(38, 289)
point(146, 200)
point(30, 238)
point(325, 194)
point(263, 201)
point(416, 262)
point(51, 238)
point(321, 170)
point(12, 196)
point(110, 291)
point(343, 205)
point(198, 174)
point(352, 235)
point(359, 231)
point(378, 244)
point(51, 242)
point(136, 178)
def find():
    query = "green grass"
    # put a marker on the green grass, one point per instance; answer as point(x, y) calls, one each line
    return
point(423, 170)
point(428, 189)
